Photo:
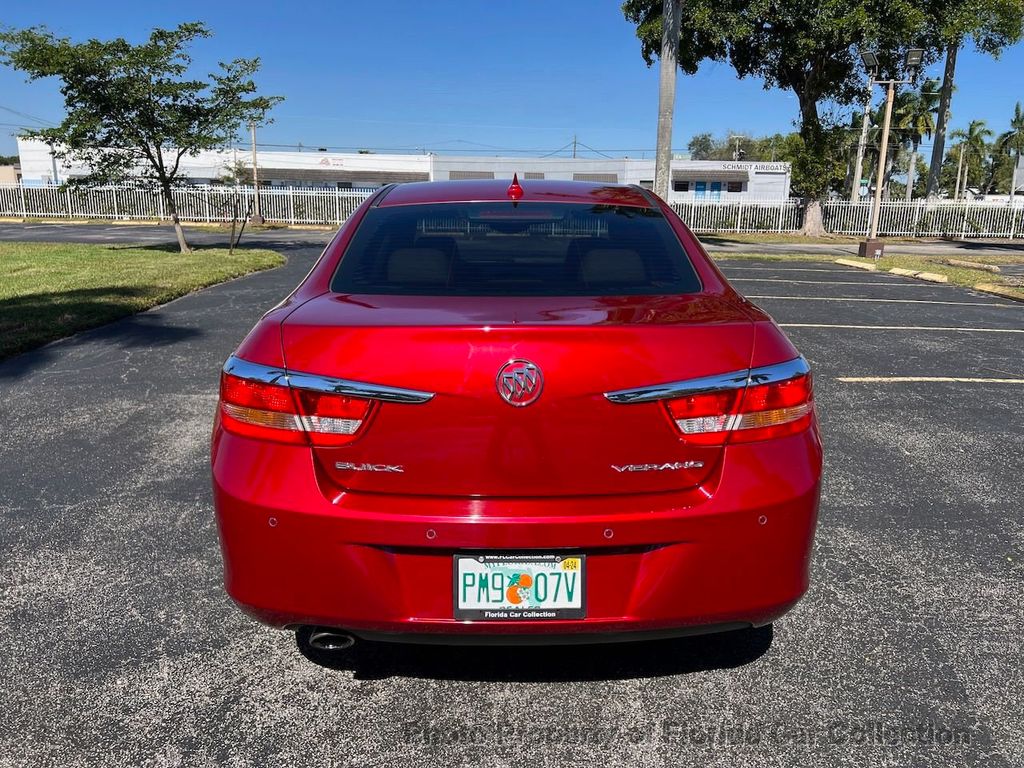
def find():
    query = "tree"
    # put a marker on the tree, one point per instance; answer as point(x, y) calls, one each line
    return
point(236, 173)
point(135, 109)
point(916, 121)
point(991, 24)
point(806, 47)
point(973, 148)
point(701, 146)
point(1012, 141)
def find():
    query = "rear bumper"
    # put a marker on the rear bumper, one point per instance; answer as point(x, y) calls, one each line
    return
point(735, 553)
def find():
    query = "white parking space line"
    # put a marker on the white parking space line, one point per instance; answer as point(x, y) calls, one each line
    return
point(890, 301)
point(886, 284)
point(945, 328)
point(922, 380)
point(727, 267)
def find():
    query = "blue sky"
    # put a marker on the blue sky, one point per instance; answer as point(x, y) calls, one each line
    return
point(468, 77)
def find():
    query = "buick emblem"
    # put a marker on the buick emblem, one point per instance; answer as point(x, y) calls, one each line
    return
point(519, 382)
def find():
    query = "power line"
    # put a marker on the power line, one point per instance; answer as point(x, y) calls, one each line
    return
point(26, 115)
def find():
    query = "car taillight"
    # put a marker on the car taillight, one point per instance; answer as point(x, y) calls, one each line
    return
point(758, 411)
point(275, 411)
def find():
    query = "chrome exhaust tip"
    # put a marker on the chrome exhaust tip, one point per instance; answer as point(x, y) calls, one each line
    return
point(330, 640)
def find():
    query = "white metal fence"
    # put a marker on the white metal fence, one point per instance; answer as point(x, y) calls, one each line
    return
point(288, 205)
point(298, 205)
point(921, 218)
point(739, 215)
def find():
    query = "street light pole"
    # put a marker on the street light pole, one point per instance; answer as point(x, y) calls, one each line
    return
point(872, 246)
point(257, 214)
point(876, 205)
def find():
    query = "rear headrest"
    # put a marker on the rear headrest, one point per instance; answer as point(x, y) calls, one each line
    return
point(426, 266)
point(612, 265)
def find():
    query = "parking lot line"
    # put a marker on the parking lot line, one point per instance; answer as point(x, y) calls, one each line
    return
point(923, 379)
point(946, 328)
point(725, 267)
point(893, 284)
point(889, 301)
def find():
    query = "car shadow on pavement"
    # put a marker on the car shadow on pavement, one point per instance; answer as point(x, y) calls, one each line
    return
point(559, 663)
point(147, 330)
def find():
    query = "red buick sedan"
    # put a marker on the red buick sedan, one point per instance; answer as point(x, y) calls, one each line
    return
point(515, 413)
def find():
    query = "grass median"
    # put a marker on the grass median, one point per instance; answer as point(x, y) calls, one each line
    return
point(52, 290)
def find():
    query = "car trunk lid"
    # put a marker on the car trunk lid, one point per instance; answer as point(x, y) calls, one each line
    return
point(469, 441)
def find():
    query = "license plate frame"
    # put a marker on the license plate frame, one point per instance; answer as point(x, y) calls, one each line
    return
point(548, 563)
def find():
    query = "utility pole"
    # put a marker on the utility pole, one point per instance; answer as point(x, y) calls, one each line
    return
point(574, 146)
point(876, 206)
point(257, 215)
point(670, 11)
point(858, 167)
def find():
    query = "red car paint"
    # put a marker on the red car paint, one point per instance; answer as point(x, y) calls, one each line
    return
point(721, 542)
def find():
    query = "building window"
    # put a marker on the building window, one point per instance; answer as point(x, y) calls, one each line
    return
point(533, 175)
point(735, 186)
point(680, 186)
point(647, 183)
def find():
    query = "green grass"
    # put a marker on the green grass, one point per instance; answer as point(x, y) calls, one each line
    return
point(52, 290)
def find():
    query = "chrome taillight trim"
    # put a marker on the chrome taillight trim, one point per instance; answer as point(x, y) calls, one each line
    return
point(769, 374)
point(271, 375)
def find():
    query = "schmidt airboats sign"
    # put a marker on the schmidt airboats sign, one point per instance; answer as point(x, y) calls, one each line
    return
point(759, 167)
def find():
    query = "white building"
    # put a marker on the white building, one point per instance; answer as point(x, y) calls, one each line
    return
point(698, 179)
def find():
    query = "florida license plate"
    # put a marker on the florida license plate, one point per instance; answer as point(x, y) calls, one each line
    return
point(513, 587)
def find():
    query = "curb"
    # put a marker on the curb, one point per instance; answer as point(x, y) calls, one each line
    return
point(931, 277)
point(857, 264)
point(998, 290)
point(973, 265)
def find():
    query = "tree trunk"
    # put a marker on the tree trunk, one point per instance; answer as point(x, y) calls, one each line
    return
point(666, 96)
point(959, 173)
point(1013, 177)
point(939, 144)
point(890, 167)
point(811, 133)
point(993, 170)
point(814, 225)
point(911, 171)
point(172, 209)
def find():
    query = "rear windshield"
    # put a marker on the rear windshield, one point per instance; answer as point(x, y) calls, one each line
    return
point(505, 249)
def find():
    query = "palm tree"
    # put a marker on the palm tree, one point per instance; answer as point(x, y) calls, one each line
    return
point(1012, 141)
point(973, 148)
point(873, 147)
point(917, 122)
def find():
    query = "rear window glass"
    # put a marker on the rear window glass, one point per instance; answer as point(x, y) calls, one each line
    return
point(504, 249)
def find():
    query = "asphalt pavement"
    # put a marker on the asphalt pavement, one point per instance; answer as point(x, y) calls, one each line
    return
point(121, 648)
